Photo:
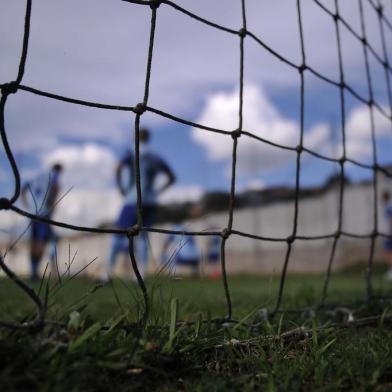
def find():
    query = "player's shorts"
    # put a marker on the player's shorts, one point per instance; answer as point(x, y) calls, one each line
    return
point(188, 262)
point(128, 216)
point(388, 244)
point(41, 231)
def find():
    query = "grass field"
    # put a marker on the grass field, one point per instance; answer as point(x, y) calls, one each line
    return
point(100, 346)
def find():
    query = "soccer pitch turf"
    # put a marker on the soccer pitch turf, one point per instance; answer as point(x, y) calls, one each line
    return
point(104, 349)
point(248, 293)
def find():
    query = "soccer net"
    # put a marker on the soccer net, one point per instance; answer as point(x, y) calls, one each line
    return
point(341, 85)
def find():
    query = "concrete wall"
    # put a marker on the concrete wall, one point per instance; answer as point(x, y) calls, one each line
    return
point(317, 216)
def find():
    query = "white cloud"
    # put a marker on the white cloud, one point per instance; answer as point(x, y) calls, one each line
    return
point(89, 207)
point(36, 124)
point(83, 207)
point(86, 184)
point(317, 137)
point(11, 225)
point(255, 185)
point(181, 193)
point(259, 117)
point(264, 120)
point(88, 166)
point(89, 169)
point(358, 131)
point(97, 50)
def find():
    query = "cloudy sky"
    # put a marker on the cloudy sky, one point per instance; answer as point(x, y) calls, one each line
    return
point(96, 50)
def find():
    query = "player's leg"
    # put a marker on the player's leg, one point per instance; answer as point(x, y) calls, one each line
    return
point(119, 243)
point(36, 253)
point(214, 266)
point(141, 252)
point(116, 247)
point(34, 262)
point(195, 268)
point(53, 255)
point(388, 256)
point(142, 240)
point(40, 233)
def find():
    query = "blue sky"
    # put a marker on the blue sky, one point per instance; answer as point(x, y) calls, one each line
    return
point(97, 51)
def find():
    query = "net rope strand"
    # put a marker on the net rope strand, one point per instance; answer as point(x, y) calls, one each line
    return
point(385, 27)
point(384, 53)
point(290, 240)
point(379, 8)
point(140, 111)
point(235, 136)
point(369, 286)
point(12, 88)
point(342, 159)
point(358, 37)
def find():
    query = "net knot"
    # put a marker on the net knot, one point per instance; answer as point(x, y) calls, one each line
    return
point(385, 64)
point(337, 234)
point(242, 33)
point(342, 160)
point(374, 233)
point(225, 233)
point(290, 239)
point(140, 108)
point(380, 10)
point(302, 68)
point(9, 88)
point(336, 17)
point(236, 133)
point(299, 149)
point(5, 204)
point(342, 84)
point(133, 231)
point(371, 102)
point(154, 4)
point(364, 40)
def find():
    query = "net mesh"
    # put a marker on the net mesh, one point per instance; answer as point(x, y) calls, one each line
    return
point(373, 105)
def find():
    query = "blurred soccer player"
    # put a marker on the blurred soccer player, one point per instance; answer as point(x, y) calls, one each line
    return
point(152, 166)
point(44, 190)
point(182, 250)
point(386, 198)
point(213, 256)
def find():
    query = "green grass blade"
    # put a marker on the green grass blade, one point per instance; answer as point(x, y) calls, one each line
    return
point(88, 333)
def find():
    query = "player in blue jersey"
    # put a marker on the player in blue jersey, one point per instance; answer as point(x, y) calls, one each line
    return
point(213, 256)
point(386, 198)
point(181, 250)
point(43, 192)
point(152, 166)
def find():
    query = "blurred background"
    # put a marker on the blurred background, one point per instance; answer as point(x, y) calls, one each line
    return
point(97, 51)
